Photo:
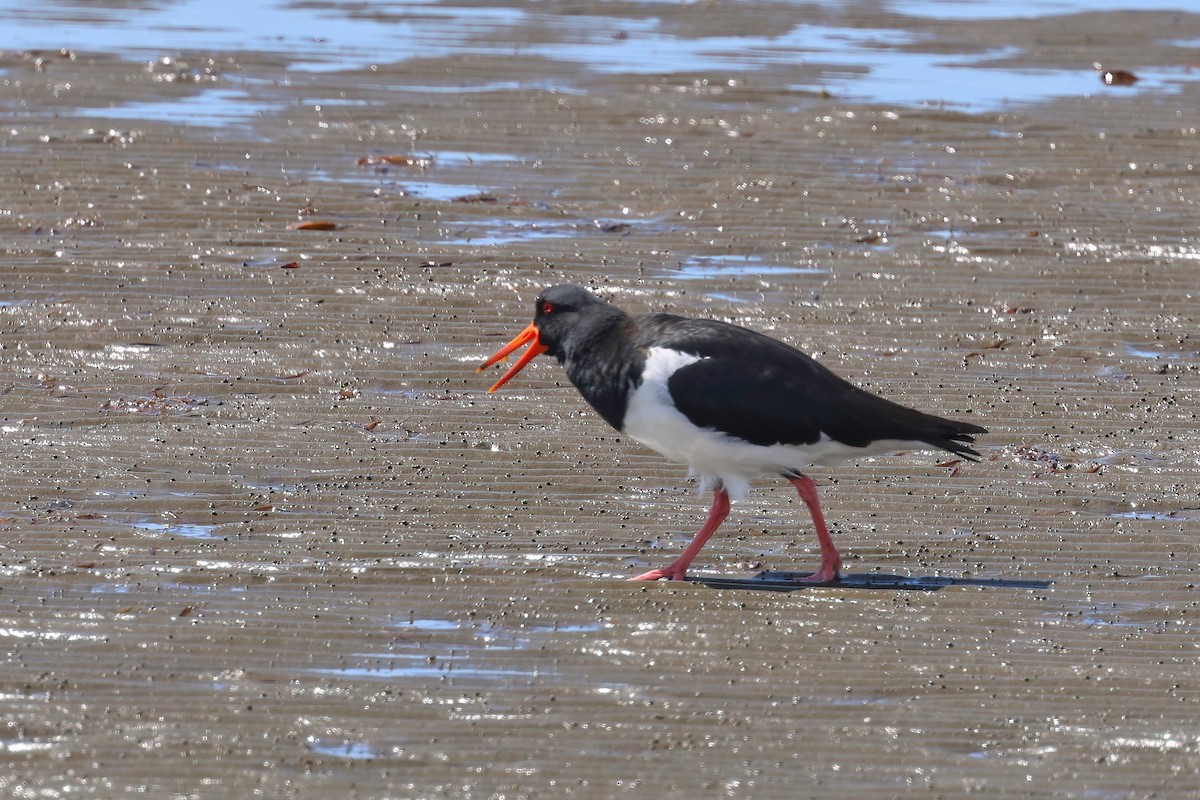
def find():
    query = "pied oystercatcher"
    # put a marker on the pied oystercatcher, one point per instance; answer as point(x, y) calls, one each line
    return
point(729, 402)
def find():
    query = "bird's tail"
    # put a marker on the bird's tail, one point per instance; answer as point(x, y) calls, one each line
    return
point(958, 438)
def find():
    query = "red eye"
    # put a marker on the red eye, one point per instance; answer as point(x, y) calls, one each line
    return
point(547, 307)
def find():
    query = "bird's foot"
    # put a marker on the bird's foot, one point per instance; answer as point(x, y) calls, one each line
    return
point(671, 573)
point(830, 572)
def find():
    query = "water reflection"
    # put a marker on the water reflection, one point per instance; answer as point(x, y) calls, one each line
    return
point(889, 64)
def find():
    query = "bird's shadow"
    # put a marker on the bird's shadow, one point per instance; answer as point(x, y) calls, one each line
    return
point(768, 581)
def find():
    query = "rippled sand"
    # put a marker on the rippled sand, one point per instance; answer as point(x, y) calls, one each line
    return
point(265, 533)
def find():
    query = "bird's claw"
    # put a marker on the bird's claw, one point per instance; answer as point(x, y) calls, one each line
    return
point(830, 572)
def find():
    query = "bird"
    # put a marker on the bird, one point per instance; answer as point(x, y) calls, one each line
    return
point(732, 404)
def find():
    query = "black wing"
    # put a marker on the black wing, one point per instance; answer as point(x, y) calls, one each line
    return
point(759, 389)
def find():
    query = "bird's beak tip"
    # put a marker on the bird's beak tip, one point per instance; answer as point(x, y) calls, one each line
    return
point(530, 334)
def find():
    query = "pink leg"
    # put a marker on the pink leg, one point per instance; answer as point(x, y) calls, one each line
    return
point(831, 561)
point(678, 568)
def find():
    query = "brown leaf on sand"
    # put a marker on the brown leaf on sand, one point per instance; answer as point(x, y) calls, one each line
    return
point(313, 225)
point(1118, 77)
point(375, 159)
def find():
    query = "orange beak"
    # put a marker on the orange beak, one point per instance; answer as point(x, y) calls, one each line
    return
point(530, 334)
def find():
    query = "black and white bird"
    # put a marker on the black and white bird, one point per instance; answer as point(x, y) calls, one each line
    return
point(730, 403)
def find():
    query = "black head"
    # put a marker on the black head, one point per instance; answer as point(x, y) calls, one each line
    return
point(564, 313)
point(564, 317)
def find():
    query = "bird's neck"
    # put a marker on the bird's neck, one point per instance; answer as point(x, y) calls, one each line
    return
point(603, 363)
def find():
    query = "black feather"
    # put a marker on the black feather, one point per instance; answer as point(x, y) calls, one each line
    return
point(766, 392)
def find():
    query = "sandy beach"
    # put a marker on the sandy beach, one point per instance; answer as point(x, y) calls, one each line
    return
point(263, 532)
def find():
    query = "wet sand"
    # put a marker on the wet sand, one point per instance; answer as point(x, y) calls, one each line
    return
point(266, 534)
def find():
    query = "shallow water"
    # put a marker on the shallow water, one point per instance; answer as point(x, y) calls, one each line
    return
point(266, 533)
